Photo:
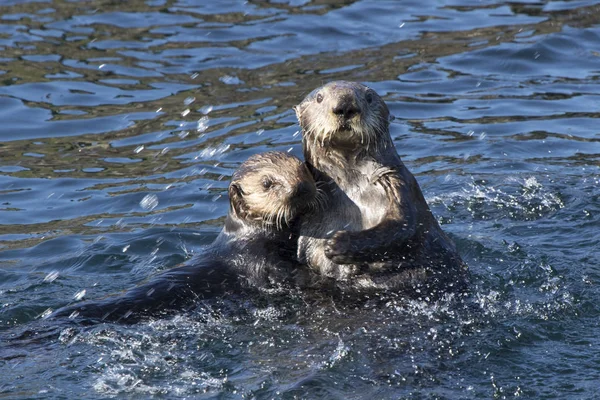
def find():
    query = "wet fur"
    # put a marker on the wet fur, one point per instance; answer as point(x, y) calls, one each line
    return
point(255, 250)
point(377, 231)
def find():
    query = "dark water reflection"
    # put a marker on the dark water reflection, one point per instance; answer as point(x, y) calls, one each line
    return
point(123, 121)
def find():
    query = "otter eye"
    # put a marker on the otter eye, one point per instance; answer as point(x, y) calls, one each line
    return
point(319, 98)
point(267, 183)
point(369, 97)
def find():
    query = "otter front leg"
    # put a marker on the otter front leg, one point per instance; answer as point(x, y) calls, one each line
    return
point(392, 235)
point(340, 248)
point(376, 244)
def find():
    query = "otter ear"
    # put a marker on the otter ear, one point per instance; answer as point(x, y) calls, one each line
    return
point(236, 200)
point(298, 110)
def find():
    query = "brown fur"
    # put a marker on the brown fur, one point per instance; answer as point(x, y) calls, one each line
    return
point(271, 188)
point(255, 250)
point(377, 229)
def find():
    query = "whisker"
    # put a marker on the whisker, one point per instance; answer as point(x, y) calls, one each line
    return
point(291, 214)
point(278, 219)
point(281, 216)
point(320, 197)
point(269, 221)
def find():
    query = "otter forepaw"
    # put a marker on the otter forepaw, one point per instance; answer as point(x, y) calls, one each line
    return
point(339, 248)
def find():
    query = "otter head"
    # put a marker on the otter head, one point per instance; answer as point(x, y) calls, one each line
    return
point(271, 189)
point(344, 115)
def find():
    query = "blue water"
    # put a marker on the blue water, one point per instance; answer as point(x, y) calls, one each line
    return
point(123, 121)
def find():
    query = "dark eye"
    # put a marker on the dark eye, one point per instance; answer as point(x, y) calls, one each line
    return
point(319, 98)
point(267, 183)
point(369, 97)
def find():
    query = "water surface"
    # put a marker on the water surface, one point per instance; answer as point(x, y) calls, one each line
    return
point(122, 123)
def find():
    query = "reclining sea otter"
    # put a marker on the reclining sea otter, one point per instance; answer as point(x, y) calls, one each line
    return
point(256, 249)
point(376, 232)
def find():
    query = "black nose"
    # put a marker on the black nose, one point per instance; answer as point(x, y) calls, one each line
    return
point(346, 107)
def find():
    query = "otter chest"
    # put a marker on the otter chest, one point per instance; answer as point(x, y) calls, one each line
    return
point(369, 196)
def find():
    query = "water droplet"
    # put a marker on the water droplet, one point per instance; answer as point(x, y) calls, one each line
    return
point(260, 132)
point(101, 66)
point(231, 80)
point(206, 109)
point(126, 248)
point(185, 112)
point(149, 202)
point(210, 152)
point(138, 149)
point(202, 124)
point(51, 277)
point(79, 295)
point(189, 100)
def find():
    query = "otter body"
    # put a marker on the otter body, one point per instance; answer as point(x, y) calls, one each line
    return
point(255, 250)
point(376, 231)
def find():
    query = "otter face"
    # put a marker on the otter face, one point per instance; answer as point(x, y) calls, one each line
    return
point(343, 114)
point(272, 189)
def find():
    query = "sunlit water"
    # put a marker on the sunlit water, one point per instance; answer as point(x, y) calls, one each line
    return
point(123, 121)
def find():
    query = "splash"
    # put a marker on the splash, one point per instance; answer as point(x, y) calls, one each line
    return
point(518, 198)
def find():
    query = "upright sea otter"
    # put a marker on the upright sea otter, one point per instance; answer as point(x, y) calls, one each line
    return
point(377, 231)
point(256, 248)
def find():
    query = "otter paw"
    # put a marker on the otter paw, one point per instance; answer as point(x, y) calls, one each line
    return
point(339, 248)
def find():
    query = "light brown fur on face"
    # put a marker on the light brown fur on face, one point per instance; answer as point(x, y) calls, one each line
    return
point(271, 189)
point(349, 115)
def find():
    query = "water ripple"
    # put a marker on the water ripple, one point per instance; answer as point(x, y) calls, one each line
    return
point(123, 122)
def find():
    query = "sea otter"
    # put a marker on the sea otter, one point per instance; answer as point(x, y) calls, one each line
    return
point(377, 231)
point(256, 248)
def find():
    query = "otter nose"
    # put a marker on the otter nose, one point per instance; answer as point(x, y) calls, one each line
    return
point(346, 107)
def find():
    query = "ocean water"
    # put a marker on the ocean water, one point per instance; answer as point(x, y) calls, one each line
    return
point(122, 122)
